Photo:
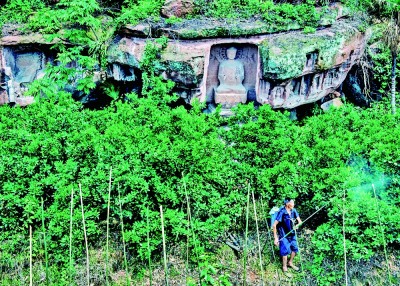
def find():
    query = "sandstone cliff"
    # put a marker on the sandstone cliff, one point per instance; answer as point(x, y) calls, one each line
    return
point(284, 69)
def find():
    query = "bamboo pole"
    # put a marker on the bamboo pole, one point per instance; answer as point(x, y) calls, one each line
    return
point(30, 257)
point(383, 235)
point(45, 246)
point(148, 246)
point(123, 238)
point(86, 241)
point(344, 237)
point(268, 231)
point(258, 239)
point(246, 234)
point(70, 237)
point(164, 247)
point(270, 240)
point(189, 214)
point(108, 225)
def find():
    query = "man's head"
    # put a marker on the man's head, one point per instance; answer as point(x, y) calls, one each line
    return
point(289, 203)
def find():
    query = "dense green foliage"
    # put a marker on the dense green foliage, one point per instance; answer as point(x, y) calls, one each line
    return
point(51, 146)
point(165, 156)
point(45, 16)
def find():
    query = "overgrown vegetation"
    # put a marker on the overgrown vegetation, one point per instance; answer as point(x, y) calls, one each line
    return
point(54, 15)
point(171, 157)
point(51, 146)
point(200, 168)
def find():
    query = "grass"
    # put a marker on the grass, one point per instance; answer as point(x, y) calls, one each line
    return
point(382, 235)
point(222, 258)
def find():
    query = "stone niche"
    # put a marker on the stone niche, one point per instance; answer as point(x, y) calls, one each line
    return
point(231, 74)
point(21, 65)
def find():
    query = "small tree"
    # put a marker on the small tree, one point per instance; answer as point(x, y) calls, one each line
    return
point(391, 39)
point(389, 12)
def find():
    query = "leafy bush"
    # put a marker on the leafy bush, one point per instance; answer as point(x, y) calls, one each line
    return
point(173, 157)
point(164, 156)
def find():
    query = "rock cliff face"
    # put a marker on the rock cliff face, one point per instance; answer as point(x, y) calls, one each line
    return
point(284, 70)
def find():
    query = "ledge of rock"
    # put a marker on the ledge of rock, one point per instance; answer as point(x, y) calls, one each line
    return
point(283, 69)
point(212, 28)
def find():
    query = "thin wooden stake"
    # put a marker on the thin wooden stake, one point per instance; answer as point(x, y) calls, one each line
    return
point(268, 230)
point(86, 241)
point(164, 247)
point(45, 246)
point(245, 239)
point(148, 246)
point(383, 235)
point(344, 237)
point(108, 224)
point(70, 237)
point(123, 238)
point(189, 215)
point(258, 238)
point(270, 240)
point(30, 257)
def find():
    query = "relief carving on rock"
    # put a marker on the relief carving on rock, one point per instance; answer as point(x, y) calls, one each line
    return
point(230, 90)
point(21, 67)
point(309, 87)
point(278, 95)
point(225, 71)
point(231, 74)
point(263, 91)
point(311, 61)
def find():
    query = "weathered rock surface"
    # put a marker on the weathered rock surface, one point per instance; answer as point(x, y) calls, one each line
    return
point(177, 8)
point(283, 70)
point(20, 65)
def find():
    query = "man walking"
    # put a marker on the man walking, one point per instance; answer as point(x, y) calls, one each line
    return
point(284, 227)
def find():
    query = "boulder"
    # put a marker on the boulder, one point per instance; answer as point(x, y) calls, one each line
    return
point(177, 8)
point(336, 102)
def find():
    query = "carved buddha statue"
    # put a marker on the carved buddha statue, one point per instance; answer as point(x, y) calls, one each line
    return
point(230, 75)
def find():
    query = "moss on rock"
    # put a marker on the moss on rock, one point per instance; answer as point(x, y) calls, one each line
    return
point(284, 56)
point(117, 55)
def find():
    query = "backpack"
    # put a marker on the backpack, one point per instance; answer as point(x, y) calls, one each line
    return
point(274, 213)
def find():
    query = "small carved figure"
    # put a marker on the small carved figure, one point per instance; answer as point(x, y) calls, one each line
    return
point(279, 91)
point(311, 60)
point(11, 91)
point(316, 82)
point(328, 79)
point(296, 87)
point(303, 88)
point(264, 89)
point(277, 95)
